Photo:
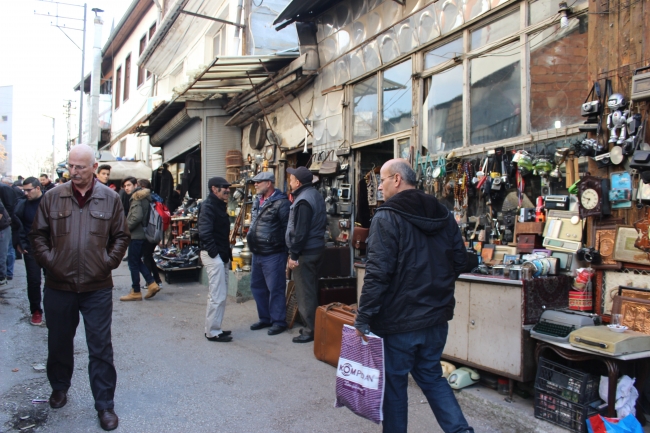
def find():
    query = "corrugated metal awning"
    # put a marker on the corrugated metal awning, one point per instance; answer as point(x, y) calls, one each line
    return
point(230, 75)
point(302, 10)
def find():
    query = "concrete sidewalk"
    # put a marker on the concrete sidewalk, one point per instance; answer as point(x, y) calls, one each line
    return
point(171, 379)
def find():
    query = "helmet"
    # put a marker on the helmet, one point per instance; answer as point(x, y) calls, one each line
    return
point(616, 101)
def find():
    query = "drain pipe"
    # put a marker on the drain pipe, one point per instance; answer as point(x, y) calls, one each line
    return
point(240, 11)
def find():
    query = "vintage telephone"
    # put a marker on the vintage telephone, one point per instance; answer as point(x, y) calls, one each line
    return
point(462, 377)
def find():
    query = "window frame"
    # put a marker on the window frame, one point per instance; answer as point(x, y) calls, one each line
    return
point(150, 33)
point(127, 78)
point(118, 86)
point(141, 72)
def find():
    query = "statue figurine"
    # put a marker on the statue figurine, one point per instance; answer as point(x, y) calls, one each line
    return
point(617, 119)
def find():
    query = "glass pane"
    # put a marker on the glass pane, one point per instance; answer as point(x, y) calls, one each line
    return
point(404, 146)
point(442, 119)
point(495, 30)
point(558, 71)
point(365, 109)
point(443, 53)
point(388, 46)
point(475, 8)
point(371, 56)
point(450, 13)
point(406, 36)
point(396, 98)
point(539, 10)
point(495, 95)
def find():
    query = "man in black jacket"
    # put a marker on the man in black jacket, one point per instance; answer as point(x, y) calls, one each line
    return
point(8, 199)
point(305, 239)
point(214, 231)
point(46, 184)
point(266, 240)
point(415, 255)
point(25, 213)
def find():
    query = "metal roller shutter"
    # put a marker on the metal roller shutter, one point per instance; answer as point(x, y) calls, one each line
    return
point(186, 139)
point(219, 139)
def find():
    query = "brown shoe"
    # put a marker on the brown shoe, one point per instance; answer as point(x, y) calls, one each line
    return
point(58, 399)
point(152, 289)
point(107, 419)
point(133, 296)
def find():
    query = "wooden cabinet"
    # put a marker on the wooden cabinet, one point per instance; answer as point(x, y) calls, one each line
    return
point(487, 331)
point(179, 227)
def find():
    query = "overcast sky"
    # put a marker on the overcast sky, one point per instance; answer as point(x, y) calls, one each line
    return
point(43, 65)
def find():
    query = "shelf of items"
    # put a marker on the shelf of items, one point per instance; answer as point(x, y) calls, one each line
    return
point(179, 226)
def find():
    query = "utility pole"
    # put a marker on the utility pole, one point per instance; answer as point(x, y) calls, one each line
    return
point(53, 145)
point(62, 26)
point(95, 81)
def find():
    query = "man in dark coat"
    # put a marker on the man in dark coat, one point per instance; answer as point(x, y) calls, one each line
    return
point(305, 240)
point(46, 184)
point(266, 240)
point(214, 230)
point(415, 254)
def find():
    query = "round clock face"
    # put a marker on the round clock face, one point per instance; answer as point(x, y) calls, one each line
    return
point(589, 199)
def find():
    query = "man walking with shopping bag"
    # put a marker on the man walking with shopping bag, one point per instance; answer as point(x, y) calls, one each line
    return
point(415, 255)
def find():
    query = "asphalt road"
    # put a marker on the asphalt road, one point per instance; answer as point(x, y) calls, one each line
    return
point(171, 379)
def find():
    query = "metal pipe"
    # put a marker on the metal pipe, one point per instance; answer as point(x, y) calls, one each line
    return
point(82, 85)
point(95, 82)
point(240, 11)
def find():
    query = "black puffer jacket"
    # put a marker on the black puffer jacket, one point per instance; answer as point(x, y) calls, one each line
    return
point(415, 255)
point(269, 224)
point(214, 228)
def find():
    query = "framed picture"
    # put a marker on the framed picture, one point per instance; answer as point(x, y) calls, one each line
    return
point(604, 237)
point(510, 258)
point(624, 249)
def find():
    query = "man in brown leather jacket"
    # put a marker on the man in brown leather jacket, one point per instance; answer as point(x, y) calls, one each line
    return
point(79, 236)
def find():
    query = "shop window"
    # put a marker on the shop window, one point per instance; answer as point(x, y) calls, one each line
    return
point(365, 110)
point(442, 122)
point(443, 54)
point(539, 10)
point(396, 98)
point(497, 29)
point(558, 75)
point(495, 95)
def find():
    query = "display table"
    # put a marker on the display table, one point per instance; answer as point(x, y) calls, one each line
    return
point(613, 364)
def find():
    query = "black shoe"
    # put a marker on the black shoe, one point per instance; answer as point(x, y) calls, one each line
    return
point(260, 325)
point(107, 419)
point(275, 330)
point(303, 339)
point(225, 333)
point(221, 338)
point(125, 259)
point(10, 278)
point(58, 399)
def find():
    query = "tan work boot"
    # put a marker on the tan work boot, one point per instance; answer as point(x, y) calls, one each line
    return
point(132, 296)
point(152, 289)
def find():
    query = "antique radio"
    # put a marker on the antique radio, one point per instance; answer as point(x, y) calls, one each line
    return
point(640, 85)
point(563, 231)
point(560, 202)
point(600, 339)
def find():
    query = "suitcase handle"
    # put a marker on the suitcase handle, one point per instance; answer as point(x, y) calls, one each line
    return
point(341, 306)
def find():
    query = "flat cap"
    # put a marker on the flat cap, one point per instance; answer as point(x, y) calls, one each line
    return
point(263, 176)
point(219, 182)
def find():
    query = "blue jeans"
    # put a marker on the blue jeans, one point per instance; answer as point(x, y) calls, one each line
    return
point(11, 259)
point(5, 241)
point(419, 352)
point(136, 266)
point(268, 285)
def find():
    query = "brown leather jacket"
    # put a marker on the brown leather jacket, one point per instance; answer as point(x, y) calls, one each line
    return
point(79, 247)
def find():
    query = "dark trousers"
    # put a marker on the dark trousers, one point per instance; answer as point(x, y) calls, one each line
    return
point(268, 285)
point(149, 262)
point(306, 278)
point(419, 352)
point(62, 310)
point(33, 271)
point(136, 266)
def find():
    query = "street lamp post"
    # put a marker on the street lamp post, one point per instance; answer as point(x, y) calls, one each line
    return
point(53, 145)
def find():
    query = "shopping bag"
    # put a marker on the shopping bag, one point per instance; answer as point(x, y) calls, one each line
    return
point(360, 376)
point(600, 424)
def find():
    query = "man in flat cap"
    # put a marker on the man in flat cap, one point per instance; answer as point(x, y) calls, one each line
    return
point(305, 239)
point(269, 219)
point(214, 238)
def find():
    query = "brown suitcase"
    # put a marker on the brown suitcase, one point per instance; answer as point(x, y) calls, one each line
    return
point(329, 330)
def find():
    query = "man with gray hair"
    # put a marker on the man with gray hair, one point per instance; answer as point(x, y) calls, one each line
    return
point(269, 219)
point(415, 255)
point(79, 235)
